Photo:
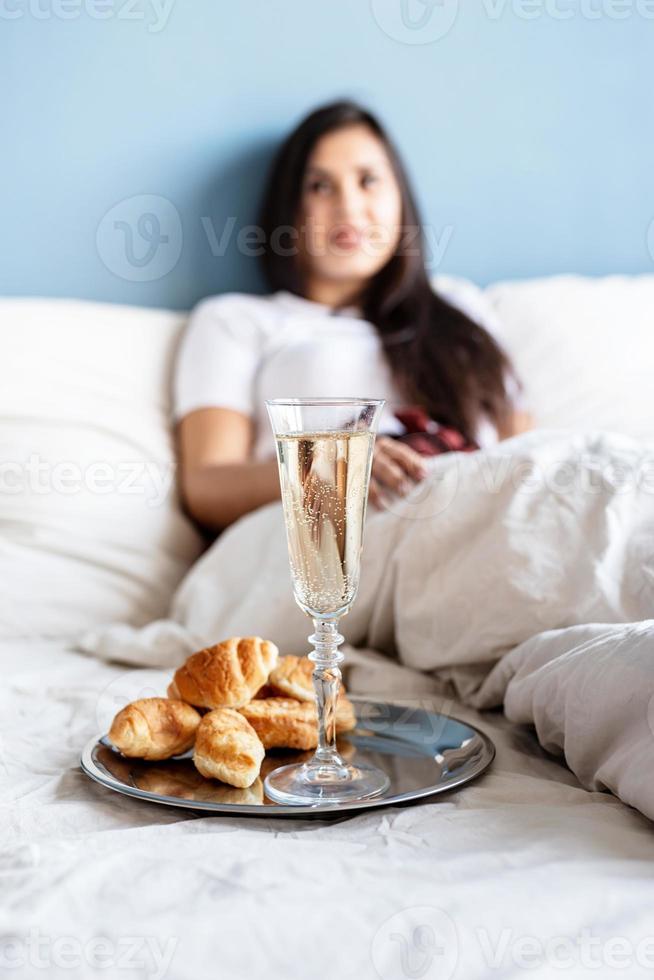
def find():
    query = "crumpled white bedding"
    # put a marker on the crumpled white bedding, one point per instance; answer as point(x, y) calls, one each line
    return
point(545, 531)
point(589, 692)
point(521, 870)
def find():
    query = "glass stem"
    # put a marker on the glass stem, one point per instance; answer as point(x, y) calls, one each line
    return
point(326, 681)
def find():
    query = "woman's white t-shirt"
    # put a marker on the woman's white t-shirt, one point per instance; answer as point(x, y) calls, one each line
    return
point(239, 350)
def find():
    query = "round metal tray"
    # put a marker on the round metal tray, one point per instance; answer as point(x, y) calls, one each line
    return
point(424, 753)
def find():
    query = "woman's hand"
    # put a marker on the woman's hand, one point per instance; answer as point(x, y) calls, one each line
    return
point(395, 468)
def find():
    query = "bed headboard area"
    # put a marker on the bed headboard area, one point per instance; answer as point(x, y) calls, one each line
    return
point(139, 190)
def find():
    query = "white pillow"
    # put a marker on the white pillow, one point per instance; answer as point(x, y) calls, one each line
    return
point(90, 525)
point(471, 299)
point(584, 349)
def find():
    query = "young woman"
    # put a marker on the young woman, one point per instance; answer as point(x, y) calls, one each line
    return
point(352, 313)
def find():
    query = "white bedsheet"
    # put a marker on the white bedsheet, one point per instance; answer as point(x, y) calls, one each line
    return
point(544, 531)
point(523, 867)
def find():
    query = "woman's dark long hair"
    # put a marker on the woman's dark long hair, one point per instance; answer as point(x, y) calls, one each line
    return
point(440, 359)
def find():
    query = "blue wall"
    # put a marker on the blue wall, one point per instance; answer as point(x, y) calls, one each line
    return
point(529, 131)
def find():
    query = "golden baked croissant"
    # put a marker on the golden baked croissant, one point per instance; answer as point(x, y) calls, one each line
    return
point(154, 728)
point(287, 723)
point(226, 675)
point(283, 722)
point(292, 677)
point(228, 748)
point(173, 693)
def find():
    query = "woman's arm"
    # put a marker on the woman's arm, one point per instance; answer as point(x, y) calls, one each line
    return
point(219, 483)
point(520, 421)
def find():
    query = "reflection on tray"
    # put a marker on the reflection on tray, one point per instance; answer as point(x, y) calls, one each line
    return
point(176, 779)
point(184, 785)
point(179, 779)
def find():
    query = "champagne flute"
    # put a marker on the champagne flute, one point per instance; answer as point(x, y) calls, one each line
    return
point(324, 452)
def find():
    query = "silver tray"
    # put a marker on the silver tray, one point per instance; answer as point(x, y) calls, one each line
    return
point(423, 752)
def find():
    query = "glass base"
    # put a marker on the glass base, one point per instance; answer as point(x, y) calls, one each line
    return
point(313, 783)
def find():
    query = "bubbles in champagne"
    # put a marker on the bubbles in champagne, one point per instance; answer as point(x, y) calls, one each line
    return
point(324, 481)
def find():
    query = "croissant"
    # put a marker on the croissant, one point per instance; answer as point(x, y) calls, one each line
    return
point(173, 693)
point(287, 723)
point(226, 675)
point(292, 677)
point(154, 728)
point(228, 748)
point(283, 723)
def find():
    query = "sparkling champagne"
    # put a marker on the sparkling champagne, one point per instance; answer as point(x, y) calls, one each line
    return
point(324, 477)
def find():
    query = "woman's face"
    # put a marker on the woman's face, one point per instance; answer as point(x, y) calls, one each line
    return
point(351, 208)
